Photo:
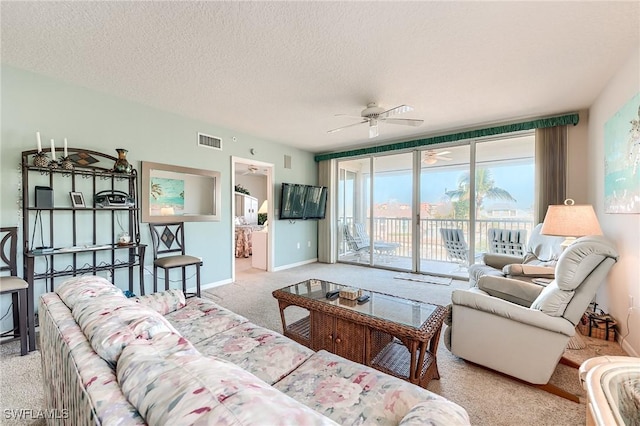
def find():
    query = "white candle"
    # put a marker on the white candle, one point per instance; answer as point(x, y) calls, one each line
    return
point(65, 148)
point(39, 143)
point(53, 150)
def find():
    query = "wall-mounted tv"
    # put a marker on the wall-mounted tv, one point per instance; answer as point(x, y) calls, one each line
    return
point(298, 201)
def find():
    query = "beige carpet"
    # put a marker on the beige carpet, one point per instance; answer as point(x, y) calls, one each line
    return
point(489, 398)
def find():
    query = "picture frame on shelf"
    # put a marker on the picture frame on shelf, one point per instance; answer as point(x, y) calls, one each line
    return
point(77, 199)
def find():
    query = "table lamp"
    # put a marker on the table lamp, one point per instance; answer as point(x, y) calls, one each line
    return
point(570, 220)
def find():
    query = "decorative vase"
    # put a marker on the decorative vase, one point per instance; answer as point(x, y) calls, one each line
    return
point(66, 164)
point(40, 159)
point(122, 165)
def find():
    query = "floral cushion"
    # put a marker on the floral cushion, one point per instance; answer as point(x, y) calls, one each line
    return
point(111, 322)
point(201, 319)
point(189, 388)
point(353, 394)
point(79, 288)
point(163, 302)
point(265, 353)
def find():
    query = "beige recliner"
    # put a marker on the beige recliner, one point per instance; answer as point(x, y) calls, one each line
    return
point(522, 329)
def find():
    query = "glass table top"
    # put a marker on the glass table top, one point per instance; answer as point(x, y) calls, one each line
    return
point(380, 305)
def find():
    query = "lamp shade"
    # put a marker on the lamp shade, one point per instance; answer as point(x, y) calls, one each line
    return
point(571, 220)
point(263, 207)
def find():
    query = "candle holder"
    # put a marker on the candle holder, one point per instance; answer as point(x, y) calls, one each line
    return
point(40, 159)
point(54, 164)
point(66, 163)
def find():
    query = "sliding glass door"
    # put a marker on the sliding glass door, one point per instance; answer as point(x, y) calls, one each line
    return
point(435, 210)
point(444, 231)
point(393, 219)
point(504, 194)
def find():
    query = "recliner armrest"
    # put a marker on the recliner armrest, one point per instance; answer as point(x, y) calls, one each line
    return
point(505, 309)
point(499, 261)
point(529, 271)
point(515, 291)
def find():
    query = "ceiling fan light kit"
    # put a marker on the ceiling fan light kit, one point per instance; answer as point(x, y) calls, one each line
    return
point(431, 156)
point(373, 114)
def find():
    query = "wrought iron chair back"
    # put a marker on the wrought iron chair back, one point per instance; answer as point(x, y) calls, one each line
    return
point(14, 285)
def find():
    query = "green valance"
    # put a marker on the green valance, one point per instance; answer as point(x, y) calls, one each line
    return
point(561, 120)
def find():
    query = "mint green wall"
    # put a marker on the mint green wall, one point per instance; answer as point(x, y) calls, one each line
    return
point(100, 122)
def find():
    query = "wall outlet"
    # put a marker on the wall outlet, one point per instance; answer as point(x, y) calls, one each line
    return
point(298, 245)
point(308, 243)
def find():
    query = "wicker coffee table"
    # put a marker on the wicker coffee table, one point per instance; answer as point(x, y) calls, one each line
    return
point(394, 335)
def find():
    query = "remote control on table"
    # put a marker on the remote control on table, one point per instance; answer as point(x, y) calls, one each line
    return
point(363, 299)
point(332, 295)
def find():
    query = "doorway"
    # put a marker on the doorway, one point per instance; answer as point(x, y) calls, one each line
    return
point(251, 213)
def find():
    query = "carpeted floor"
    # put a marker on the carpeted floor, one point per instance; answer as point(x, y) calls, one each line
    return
point(489, 398)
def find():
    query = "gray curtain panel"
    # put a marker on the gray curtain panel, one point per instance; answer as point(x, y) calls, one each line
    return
point(551, 168)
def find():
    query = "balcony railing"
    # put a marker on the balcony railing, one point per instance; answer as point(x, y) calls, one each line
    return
point(398, 230)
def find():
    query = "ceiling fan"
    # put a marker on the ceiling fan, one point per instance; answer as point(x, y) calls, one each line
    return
point(431, 156)
point(251, 170)
point(373, 114)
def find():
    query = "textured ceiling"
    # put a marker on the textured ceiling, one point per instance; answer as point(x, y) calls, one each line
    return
point(282, 70)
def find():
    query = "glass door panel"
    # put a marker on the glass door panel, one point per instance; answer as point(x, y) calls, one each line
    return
point(505, 191)
point(444, 232)
point(391, 230)
point(353, 195)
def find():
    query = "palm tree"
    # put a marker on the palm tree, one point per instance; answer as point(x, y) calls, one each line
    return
point(485, 188)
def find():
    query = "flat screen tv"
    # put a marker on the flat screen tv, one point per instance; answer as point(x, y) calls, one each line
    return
point(298, 201)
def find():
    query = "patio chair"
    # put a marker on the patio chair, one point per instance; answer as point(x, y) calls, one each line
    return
point(379, 247)
point(456, 246)
point(354, 242)
point(507, 241)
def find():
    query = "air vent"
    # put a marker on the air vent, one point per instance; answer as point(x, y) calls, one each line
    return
point(209, 141)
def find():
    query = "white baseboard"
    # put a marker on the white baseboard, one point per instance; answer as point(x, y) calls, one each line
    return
point(210, 285)
point(294, 265)
point(628, 349)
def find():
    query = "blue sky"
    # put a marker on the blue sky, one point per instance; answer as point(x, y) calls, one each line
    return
point(517, 179)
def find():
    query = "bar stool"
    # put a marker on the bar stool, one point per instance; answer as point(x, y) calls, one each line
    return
point(14, 285)
point(169, 238)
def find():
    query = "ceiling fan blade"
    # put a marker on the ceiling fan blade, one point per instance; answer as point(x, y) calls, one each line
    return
point(404, 121)
point(397, 110)
point(344, 127)
point(347, 115)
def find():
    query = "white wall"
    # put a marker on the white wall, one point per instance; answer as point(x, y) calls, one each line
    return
point(623, 229)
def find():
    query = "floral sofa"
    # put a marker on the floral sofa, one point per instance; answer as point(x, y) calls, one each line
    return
point(163, 360)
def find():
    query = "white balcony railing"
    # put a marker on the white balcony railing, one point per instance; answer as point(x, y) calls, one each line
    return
point(398, 230)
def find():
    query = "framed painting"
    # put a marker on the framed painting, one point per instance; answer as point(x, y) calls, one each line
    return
point(622, 159)
point(179, 194)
